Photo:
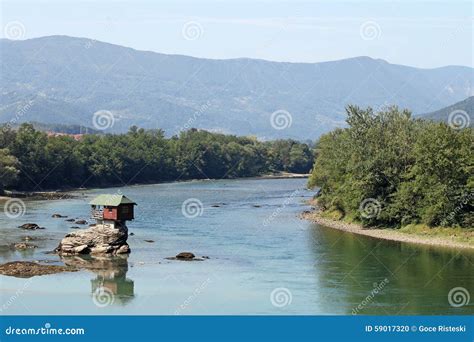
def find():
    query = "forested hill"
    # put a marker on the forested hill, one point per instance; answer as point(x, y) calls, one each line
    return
point(61, 79)
point(387, 169)
point(32, 160)
point(461, 113)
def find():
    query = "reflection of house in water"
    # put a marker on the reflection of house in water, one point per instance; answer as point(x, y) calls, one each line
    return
point(111, 274)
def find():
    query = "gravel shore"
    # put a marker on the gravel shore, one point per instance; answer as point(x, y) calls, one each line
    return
point(385, 234)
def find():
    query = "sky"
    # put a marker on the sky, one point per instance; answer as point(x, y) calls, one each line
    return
point(424, 34)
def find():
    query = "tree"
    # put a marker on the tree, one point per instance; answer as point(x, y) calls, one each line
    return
point(8, 169)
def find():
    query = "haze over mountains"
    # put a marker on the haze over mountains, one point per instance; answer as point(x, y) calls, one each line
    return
point(66, 80)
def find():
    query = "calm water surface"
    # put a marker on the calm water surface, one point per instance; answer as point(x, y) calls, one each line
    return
point(257, 246)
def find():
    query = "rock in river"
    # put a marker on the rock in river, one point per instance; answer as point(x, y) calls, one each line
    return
point(30, 226)
point(99, 239)
point(185, 256)
point(22, 245)
point(28, 269)
point(58, 216)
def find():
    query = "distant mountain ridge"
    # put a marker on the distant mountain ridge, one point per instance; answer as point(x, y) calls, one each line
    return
point(463, 110)
point(60, 79)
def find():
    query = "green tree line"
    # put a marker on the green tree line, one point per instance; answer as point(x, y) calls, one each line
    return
point(32, 160)
point(410, 171)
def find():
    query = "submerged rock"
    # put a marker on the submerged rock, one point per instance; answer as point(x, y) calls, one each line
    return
point(149, 241)
point(70, 220)
point(28, 269)
point(99, 239)
point(30, 226)
point(58, 216)
point(81, 222)
point(22, 245)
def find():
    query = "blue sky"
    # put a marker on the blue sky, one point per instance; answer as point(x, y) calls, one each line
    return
point(418, 33)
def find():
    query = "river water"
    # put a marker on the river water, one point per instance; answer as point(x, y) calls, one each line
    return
point(262, 259)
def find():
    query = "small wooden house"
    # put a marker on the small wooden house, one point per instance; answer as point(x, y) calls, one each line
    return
point(117, 208)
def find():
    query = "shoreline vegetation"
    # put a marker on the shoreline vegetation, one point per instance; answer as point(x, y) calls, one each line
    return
point(415, 234)
point(390, 176)
point(32, 161)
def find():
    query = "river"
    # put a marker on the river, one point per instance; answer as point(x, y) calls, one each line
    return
point(262, 259)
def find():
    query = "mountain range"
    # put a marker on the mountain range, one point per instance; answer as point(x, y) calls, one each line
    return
point(66, 80)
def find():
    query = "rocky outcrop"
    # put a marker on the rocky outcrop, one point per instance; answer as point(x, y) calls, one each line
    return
point(99, 239)
point(28, 269)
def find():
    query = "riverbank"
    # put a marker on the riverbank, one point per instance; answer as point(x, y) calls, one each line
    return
point(444, 237)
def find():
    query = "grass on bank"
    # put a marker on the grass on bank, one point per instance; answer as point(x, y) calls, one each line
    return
point(457, 234)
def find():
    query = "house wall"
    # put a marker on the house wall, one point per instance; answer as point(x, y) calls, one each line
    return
point(111, 213)
point(126, 212)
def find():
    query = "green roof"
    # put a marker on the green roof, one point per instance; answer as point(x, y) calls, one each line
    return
point(111, 200)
